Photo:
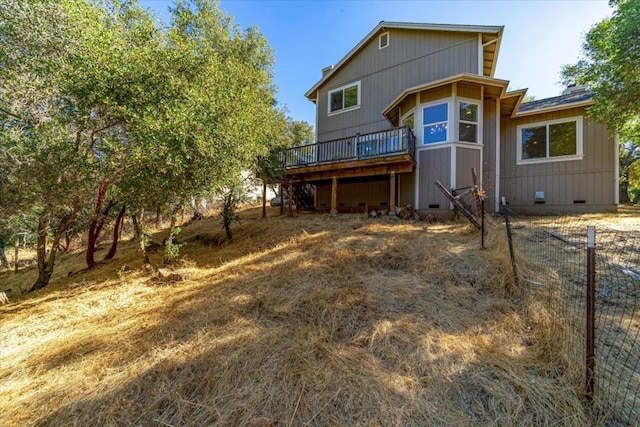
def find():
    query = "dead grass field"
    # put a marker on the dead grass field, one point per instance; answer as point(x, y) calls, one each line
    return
point(310, 320)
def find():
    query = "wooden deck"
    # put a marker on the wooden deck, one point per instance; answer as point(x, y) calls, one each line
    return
point(378, 153)
point(389, 153)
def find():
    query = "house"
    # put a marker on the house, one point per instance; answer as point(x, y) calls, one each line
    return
point(412, 104)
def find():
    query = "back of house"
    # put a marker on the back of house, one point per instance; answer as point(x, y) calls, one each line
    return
point(412, 104)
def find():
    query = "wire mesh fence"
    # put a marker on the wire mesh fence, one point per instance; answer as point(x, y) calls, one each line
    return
point(551, 260)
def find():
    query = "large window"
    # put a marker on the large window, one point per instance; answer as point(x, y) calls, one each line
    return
point(555, 140)
point(468, 122)
point(435, 120)
point(344, 98)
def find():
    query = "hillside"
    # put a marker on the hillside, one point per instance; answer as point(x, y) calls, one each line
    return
point(309, 320)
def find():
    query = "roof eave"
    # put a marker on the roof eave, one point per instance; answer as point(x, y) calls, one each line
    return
point(587, 103)
point(495, 59)
point(463, 76)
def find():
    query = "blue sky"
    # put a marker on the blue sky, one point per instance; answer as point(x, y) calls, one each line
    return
point(539, 37)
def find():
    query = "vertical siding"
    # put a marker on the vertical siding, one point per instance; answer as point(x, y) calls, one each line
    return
point(489, 151)
point(406, 189)
point(413, 57)
point(435, 165)
point(469, 91)
point(590, 179)
point(436, 93)
point(466, 158)
point(354, 195)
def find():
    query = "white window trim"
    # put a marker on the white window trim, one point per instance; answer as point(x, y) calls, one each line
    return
point(579, 143)
point(453, 121)
point(478, 124)
point(407, 114)
point(338, 89)
point(380, 40)
point(421, 108)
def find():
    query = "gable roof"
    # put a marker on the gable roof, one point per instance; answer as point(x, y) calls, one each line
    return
point(491, 37)
point(575, 98)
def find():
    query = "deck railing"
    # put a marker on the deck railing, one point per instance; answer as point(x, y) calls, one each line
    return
point(362, 146)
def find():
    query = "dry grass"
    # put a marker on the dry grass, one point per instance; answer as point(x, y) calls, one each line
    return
point(309, 320)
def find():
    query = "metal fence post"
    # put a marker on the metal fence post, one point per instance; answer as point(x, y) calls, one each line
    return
point(591, 312)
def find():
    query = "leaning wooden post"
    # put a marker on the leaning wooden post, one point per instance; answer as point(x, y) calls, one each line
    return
point(290, 200)
point(281, 199)
point(334, 196)
point(591, 313)
point(392, 193)
point(510, 240)
point(482, 223)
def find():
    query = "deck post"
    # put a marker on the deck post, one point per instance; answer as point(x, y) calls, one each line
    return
point(392, 193)
point(290, 202)
point(334, 196)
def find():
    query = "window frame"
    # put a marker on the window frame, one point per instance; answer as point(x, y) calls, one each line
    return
point(579, 155)
point(477, 123)
point(380, 46)
point(447, 102)
point(343, 89)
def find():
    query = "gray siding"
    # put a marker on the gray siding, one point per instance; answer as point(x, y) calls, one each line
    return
point(354, 196)
point(435, 165)
point(406, 189)
point(489, 151)
point(466, 158)
point(412, 58)
point(590, 179)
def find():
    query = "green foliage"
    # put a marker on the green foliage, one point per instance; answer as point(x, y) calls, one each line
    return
point(232, 198)
point(610, 67)
point(96, 91)
point(172, 249)
point(298, 133)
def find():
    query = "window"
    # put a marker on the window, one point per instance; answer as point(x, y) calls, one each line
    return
point(435, 121)
point(344, 98)
point(468, 122)
point(556, 140)
point(408, 120)
point(383, 40)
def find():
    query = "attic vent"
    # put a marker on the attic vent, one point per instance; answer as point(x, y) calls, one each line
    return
point(383, 40)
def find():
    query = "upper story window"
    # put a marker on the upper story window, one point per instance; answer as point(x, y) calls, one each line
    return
point(552, 141)
point(435, 121)
point(344, 98)
point(383, 40)
point(468, 121)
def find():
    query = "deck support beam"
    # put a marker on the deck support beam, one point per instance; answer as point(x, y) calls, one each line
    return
point(334, 196)
point(392, 193)
point(290, 203)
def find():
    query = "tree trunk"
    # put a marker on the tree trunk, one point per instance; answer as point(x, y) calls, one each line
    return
point(45, 265)
point(264, 200)
point(624, 191)
point(97, 222)
point(174, 220)
point(136, 226)
point(4, 262)
point(67, 242)
point(141, 237)
point(116, 233)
